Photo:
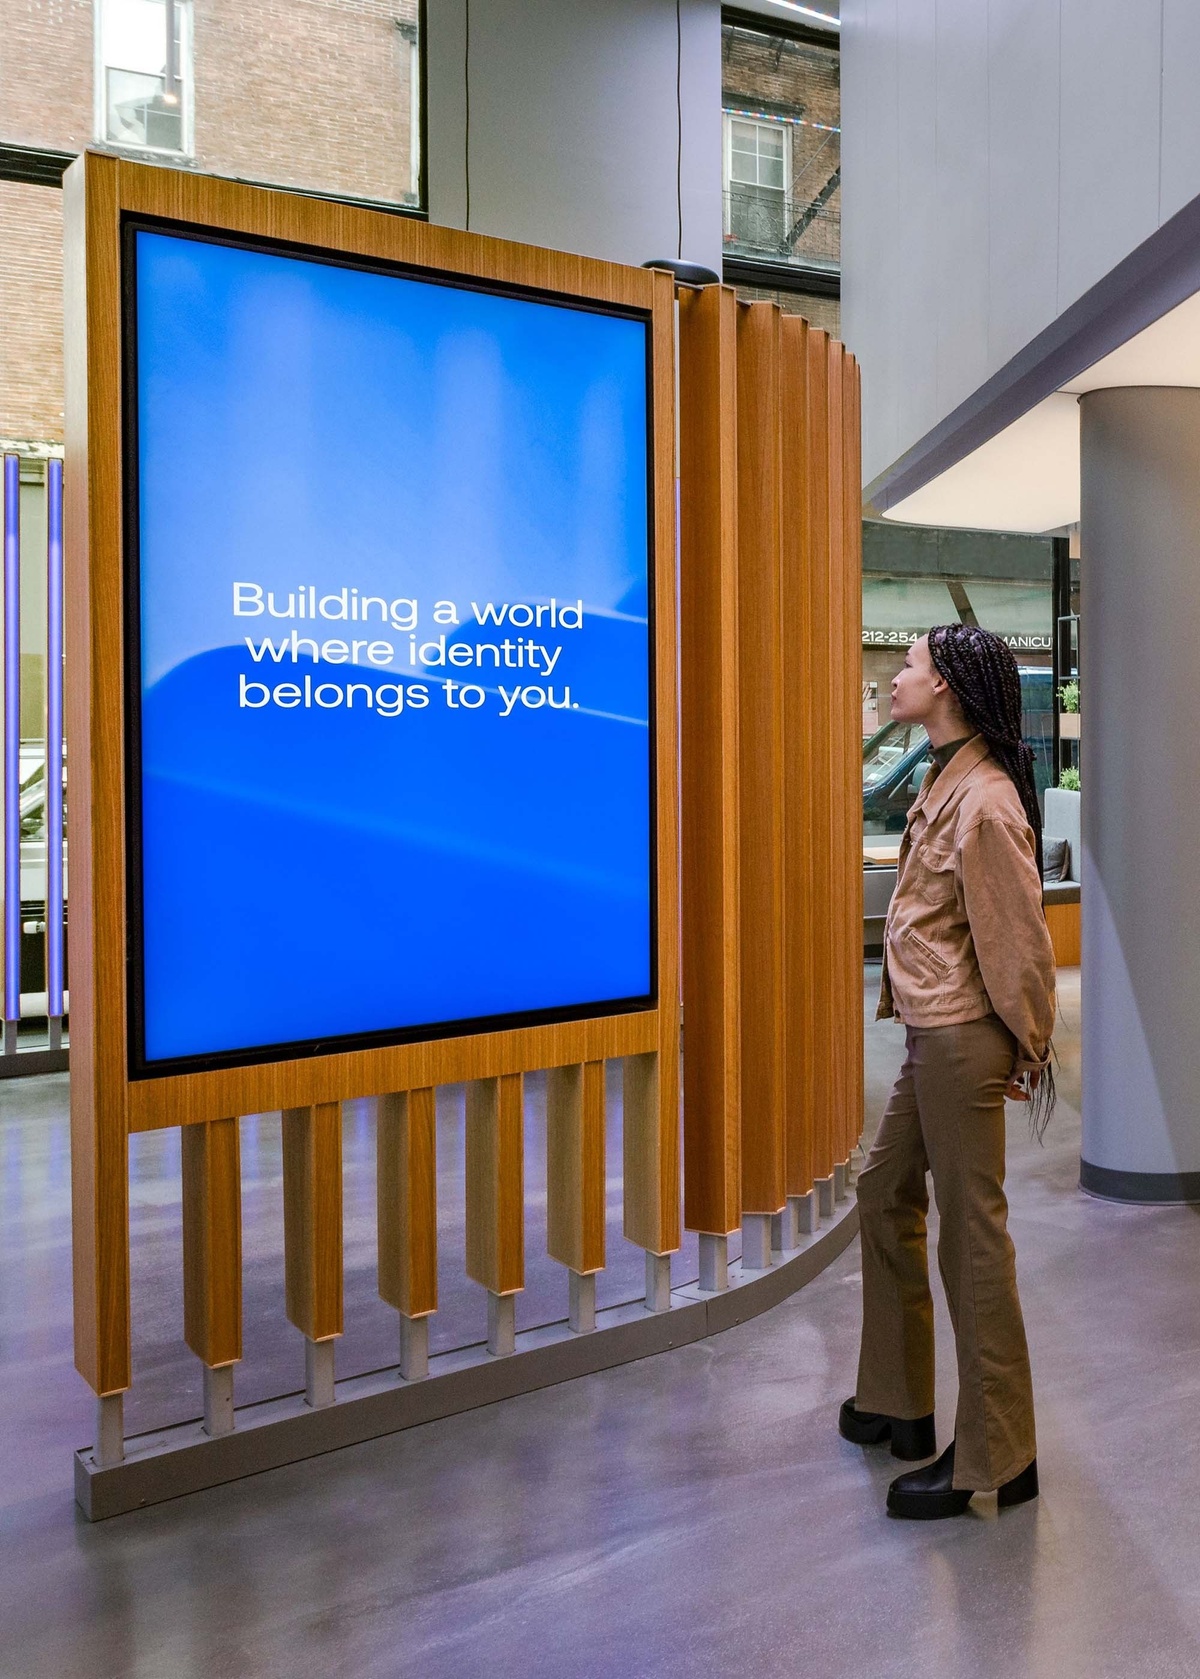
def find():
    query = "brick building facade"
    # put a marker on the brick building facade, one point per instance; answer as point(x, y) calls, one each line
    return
point(319, 94)
point(781, 97)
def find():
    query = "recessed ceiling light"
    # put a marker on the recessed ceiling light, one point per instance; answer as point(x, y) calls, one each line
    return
point(824, 18)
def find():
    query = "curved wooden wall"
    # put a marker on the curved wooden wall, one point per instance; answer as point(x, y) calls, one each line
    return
point(770, 632)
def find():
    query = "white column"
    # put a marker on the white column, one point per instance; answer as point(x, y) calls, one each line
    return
point(1140, 771)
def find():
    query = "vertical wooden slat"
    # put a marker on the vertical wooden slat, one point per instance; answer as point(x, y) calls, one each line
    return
point(212, 1241)
point(99, 1130)
point(575, 1166)
point(495, 1183)
point(852, 495)
point(825, 1024)
point(312, 1218)
point(651, 1127)
point(761, 756)
point(801, 971)
point(840, 705)
point(406, 1200)
point(651, 1150)
point(708, 608)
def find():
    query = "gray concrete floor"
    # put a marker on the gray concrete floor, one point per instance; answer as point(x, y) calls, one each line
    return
point(694, 1514)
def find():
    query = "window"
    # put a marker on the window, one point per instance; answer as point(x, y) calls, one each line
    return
point(915, 576)
point(757, 176)
point(144, 74)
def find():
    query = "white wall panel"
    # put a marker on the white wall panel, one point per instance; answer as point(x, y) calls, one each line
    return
point(862, 145)
point(1181, 106)
point(914, 279)
point(1066, 132)
point(961, 206)
point(870, 182)
point(1109, 141)
point(573, 124)
point(445, 107)
point(1023, 112)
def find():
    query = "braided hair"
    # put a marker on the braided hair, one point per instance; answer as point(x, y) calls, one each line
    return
point(983, 676)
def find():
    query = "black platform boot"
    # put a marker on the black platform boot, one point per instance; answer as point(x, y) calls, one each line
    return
point(911, 1439)
point(929, 1494)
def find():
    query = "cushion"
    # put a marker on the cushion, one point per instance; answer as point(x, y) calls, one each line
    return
point(1061, 892)
point(1056, 858)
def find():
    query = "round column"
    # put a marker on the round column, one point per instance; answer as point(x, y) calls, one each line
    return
point(1140, 774)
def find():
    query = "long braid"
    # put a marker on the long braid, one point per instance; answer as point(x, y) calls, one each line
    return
point(984, 678)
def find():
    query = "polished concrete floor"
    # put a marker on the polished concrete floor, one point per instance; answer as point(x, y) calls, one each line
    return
point(695, 1514)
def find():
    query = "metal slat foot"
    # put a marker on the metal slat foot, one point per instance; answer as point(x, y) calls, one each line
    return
point(805, 1208)
point(110, 1431)
point(581, 1301)
point(714, 1262)
point(502, 1324)
point(658, 1282)
point(756, 1241)
point(414, 1348)
point(319, 1373)
point(218, 1399)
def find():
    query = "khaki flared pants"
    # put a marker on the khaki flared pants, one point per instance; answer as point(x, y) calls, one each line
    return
point(946, 1115)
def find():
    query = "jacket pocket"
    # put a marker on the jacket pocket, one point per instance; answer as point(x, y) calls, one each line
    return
point(934, 875)
point(920, 951)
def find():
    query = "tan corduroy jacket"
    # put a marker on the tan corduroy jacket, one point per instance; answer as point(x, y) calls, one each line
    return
point(966, 934)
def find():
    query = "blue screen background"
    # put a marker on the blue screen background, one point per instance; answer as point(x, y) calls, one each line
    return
point(310, 874)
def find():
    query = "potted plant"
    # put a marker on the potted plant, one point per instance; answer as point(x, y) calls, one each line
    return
point(1069, 779)
point(1068, 714)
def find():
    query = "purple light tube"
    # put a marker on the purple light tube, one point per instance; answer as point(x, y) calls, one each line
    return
point(12, 747)
point(54, 740)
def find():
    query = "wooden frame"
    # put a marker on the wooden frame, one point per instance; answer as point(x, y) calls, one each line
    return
point(106, 1104)
point(1064, 923)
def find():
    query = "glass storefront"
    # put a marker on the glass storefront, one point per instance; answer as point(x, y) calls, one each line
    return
point(914, 577)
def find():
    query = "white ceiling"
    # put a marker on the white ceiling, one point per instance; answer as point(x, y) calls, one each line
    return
point(1026, 478)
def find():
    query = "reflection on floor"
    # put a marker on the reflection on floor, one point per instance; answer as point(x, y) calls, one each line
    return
point(695, 1514)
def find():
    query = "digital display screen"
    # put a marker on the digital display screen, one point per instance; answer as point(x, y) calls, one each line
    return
point(388, 586)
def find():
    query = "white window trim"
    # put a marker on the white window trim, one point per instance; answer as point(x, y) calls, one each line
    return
point(728, 118)
point(414, 120)
point(100, 89)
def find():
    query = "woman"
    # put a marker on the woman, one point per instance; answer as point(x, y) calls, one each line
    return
point(969, 970)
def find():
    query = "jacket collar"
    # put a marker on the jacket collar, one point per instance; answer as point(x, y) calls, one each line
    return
point(944, 785)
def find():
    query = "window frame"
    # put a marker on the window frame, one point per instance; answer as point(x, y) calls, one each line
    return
point(728, 118)
point(186, 72)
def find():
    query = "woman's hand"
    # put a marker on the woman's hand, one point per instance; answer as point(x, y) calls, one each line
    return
point(1021, 1086)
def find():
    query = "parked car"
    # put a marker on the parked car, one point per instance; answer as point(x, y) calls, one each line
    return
point(33, 867)
point(896, 757)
